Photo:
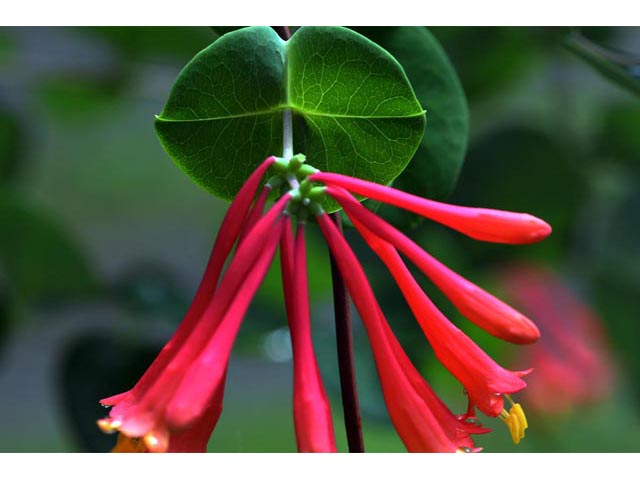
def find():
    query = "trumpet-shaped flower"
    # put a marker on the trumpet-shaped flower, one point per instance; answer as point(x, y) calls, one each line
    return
point(177, 402)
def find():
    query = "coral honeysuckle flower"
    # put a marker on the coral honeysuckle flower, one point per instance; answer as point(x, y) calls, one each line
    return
point(311, 409)
point(177, 402)
point(423, 422)
point(484, 380)
point(574, 363)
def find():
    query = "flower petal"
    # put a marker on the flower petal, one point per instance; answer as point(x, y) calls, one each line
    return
point(312, 411)
point(479, 223)
point(476, 304)
point(423, 423)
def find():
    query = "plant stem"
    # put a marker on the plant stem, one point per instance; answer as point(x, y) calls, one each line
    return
point(344, 336)
point(344, 339)
point(284, 32)
point(287, 135)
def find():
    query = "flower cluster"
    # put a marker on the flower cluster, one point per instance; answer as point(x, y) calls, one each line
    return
point(177, 402)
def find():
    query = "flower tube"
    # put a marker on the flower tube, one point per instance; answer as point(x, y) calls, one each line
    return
point(422, 421)
point(485, 381)
point(145, 416)
point(480, 307)
point(479, 223)
point(311, 408)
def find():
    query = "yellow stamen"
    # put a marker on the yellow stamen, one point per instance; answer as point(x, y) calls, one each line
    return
point(129, 445)
point(108, 425)
point(151, 441)
point(515, 419)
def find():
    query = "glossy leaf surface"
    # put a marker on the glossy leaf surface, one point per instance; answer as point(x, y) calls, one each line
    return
point(357, 111)
point(435, 167)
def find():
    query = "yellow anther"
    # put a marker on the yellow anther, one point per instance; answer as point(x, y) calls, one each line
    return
point(519, 412)
point(108, 425)
point(156, 441)
point(151, 441)
point(516, 420)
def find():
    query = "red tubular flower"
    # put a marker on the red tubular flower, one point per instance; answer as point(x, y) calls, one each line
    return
point(255, 213)
point(205, 375)
point(142, 412)
point(311, 409)
point(423, 422)
point(484, 380)
point(177, 402)
point(479, 223)
point(480, 307)
point(229, 231)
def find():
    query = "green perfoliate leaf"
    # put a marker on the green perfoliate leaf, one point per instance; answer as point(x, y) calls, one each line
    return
point(224, 113)
point(362, 116)
point(435, 167)
point(434, 170)
point(354, 109)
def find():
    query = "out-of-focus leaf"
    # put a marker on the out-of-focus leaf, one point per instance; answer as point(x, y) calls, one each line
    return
point(522, 170)
point(435, 167)
point(615, 266)
point(224, 30)
point(5, 312)
point(489, 59)
point(621, 68)
point(619, 139)
point(75, 99)
point(150, 290)
point(41, 261)
point(6, 46)
point(11, 146)
point(224, 114)
point(151, 42)
point(94, 367)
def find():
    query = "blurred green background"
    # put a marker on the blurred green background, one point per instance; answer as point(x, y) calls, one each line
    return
point(103, 239)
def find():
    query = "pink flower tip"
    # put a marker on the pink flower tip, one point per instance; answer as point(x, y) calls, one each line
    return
point(506, 227)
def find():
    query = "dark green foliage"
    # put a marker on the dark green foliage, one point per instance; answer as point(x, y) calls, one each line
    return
point(11, 146)
point(94, 367)
point(40, 260)
point(224, 114)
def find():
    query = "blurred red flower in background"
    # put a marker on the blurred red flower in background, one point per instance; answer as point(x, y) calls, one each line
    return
point(572, 360)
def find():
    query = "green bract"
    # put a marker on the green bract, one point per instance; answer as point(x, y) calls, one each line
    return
point(354, 109)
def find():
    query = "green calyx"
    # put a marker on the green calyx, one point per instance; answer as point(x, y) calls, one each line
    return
point(292, 178)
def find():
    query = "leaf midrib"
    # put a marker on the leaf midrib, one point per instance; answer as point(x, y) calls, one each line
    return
point(295, 109)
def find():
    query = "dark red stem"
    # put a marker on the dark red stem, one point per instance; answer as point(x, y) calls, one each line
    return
point(344, 339)
point(284, 32)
